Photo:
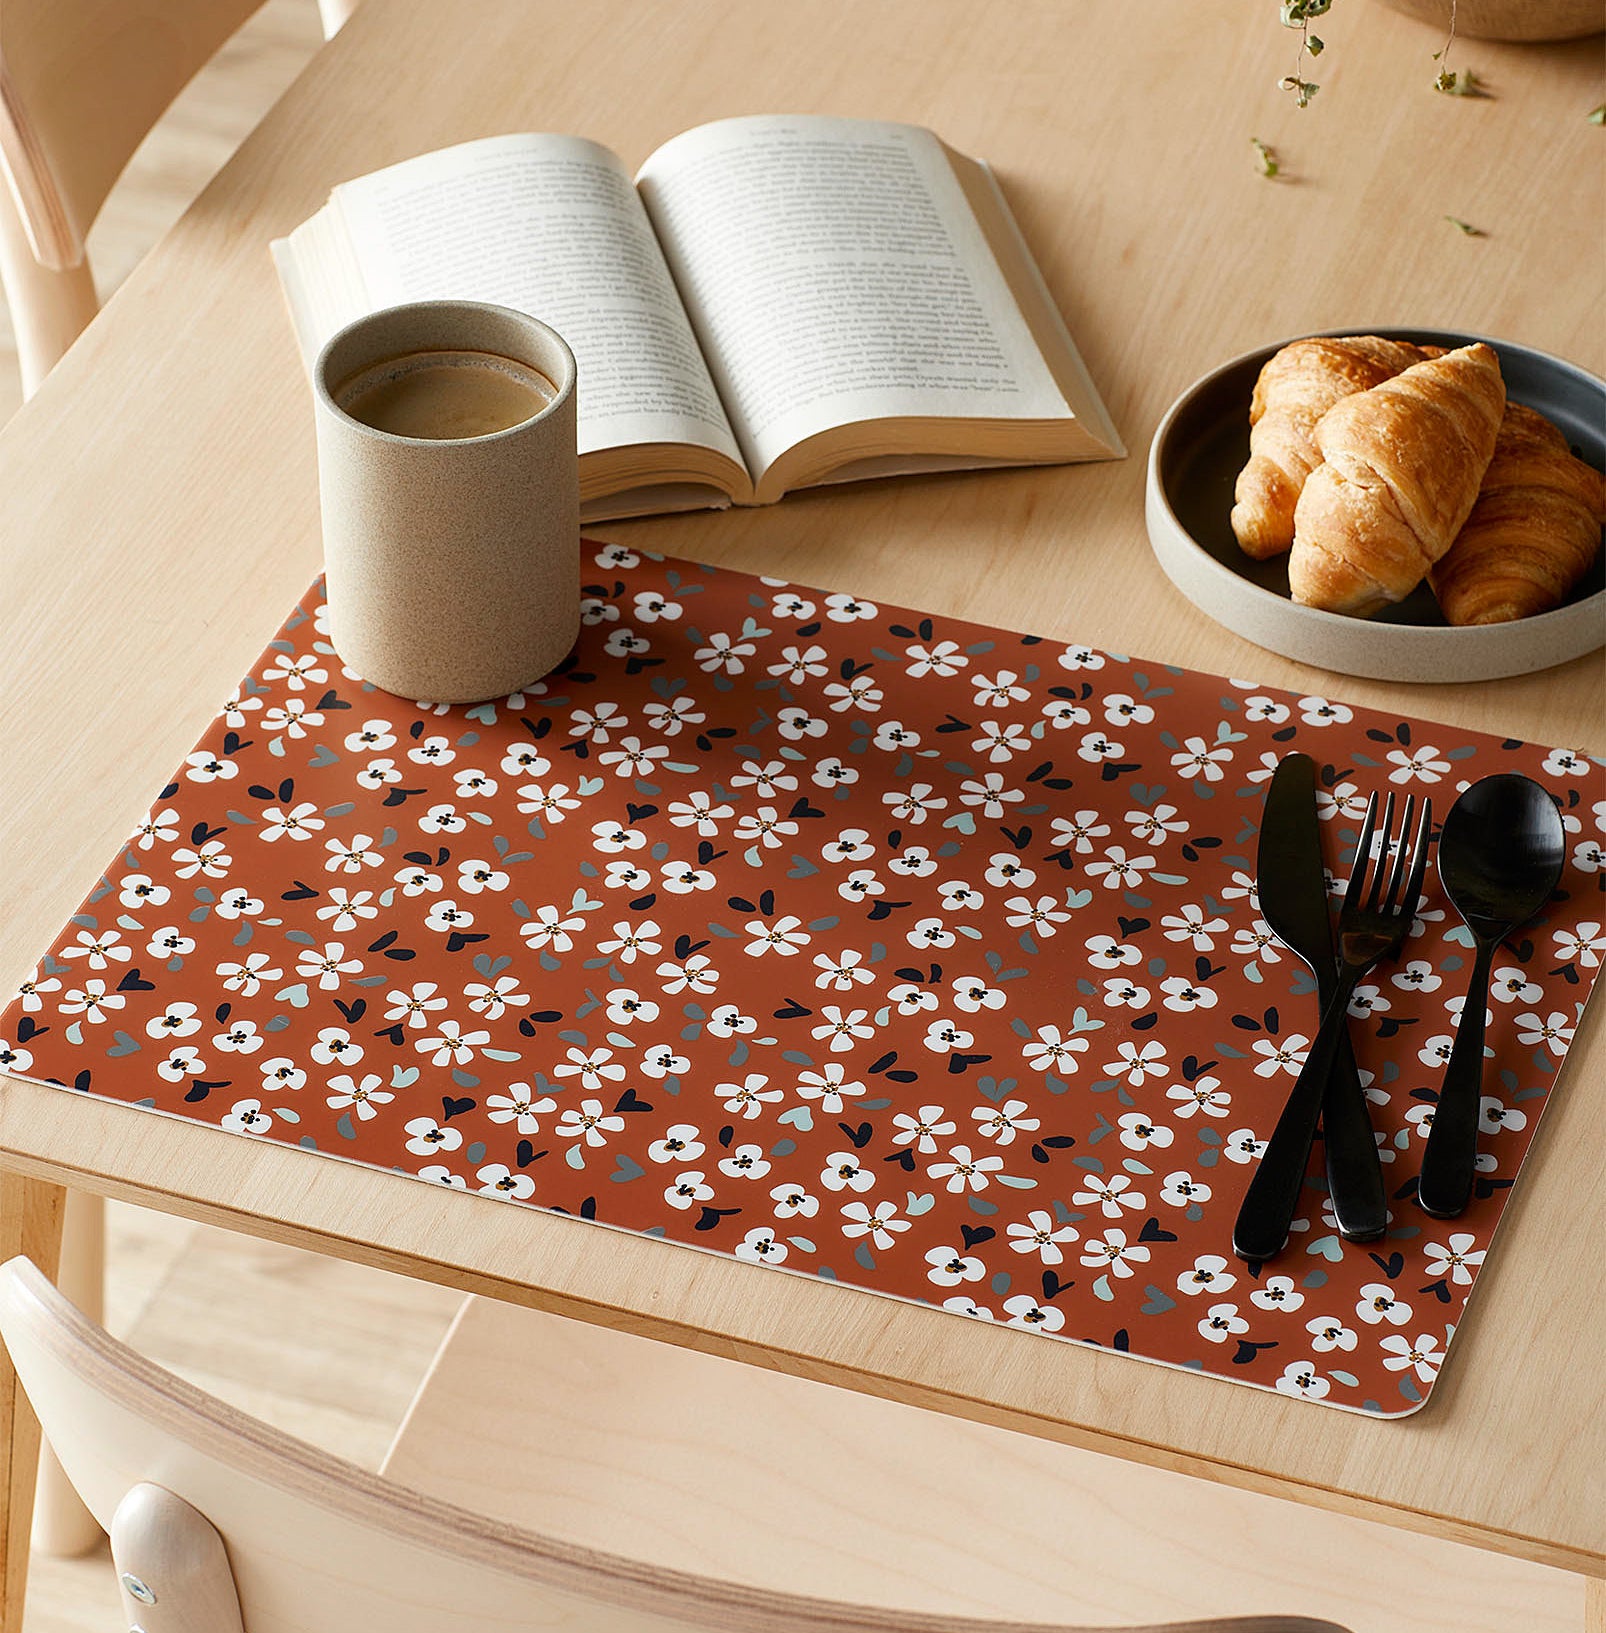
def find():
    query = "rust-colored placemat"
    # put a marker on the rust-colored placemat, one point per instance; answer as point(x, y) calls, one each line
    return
point(886, 948)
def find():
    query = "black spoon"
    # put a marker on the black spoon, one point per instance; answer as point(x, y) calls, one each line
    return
point(1500, 855)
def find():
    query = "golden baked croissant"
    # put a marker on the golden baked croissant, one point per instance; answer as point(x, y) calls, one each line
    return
point(1296, 387)
point(1400, 472)
point(1533, 532)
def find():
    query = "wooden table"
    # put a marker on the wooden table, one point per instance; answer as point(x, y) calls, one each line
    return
point(161, 514)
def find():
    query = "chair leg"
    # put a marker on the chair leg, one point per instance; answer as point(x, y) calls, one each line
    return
point(172, 1568)
point(62, 1527)
point(1595, 1605)
point(30, 1224)
point(48, 309)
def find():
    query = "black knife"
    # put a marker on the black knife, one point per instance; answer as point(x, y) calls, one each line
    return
point(1293, 901)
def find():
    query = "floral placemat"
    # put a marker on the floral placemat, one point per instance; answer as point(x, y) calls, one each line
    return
point(885, 948)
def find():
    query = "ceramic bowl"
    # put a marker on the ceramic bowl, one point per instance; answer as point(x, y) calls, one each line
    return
point(1194, 460)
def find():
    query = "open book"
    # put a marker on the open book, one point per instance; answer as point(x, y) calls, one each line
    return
point(774, 302)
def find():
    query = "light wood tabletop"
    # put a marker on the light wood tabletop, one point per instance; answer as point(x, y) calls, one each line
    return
point(161, 516)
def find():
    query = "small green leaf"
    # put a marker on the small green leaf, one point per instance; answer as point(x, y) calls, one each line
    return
point(1315, 45)
point(1267, 156)
point(1465, 83)
point(1302, 88)
point(1466, 227)
point(1598, 117)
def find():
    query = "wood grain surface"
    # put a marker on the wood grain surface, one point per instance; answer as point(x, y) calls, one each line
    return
point(161, 512)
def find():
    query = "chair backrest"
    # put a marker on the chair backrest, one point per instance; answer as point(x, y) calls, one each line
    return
point(81, 84)
point(317, 1545)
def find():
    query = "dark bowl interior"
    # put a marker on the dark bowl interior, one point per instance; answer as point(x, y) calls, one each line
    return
point(1208, 445)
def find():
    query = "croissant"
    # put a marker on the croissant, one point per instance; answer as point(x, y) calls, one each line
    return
point(1296, 387)
point(1533, 532)
point(1402, 464)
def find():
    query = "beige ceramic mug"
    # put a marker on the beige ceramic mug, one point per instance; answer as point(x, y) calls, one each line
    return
point(449, 480)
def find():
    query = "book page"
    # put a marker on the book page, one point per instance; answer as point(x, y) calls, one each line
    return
point(551, 226)
point(834, 272)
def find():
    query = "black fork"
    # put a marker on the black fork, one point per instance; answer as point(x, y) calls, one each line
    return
point(1367, 932)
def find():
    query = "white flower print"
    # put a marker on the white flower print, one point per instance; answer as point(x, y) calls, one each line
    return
point(1192, 925)
point(1221, 1322)
point(591, 1124)
point(1095, 746)
point(594, 1069)
point(1281, 1054)
point(363, 1098)
point(1210, 1274)
point(1106, 953)
point(626, 1006)
point(247, 1117)
point(1279, 1293)
point(439, 819)
point(1424, 1355)
point(1566, 762)
point(1044, 916)
point(1156, 826)
point(493, 999)
point(671, 718)
point(281, 1073)
point(1118, 871)
point(1136, 1062)
point(998, 691)
point(181, 1063)
point(595, 725)
point(727, 1021)
point(1183, 995)
point(893, 736)
point(138, 890)
point(844, 1030)
point(1553, 1032)
point(1493, 1117)
point(345, 910)
point(914, 804)
point(963, 1170)
point(950, 1267)
point(1198, 760)
point(178, 1020)
point(336, 1045)
point(245, 976)
point(1002, 1123)
point(795, 724)
point(963, 1304)
point(1052, 1051)
point(158, 827)
point(1078, 832)
point(497, 1179)
point(446, 917)
point(519, 1106)
point(793, 1202)
point(922, 1129)
point(1109, 1196)
point(1303, 1381)
point(439, 1174)
point(745, 1162)
point(241, 1038)
point(784, 937)
point(1317, 711)
point(1458, 1261)
point(1061, 713)
point(299, 822)
point(31, 991)
point(211, 860)
point(695, 974)
point(828, 1087)
point(1420, 765)
point(206, 767)
point(632, 758)
point(553, 928)
point(1266, 709)
point(944, 658)
point(833, 773)
point(973, 995)
point(351, 856)
point(433, 751)
point(1377, 1304)
point(929, 933)
point(759, 1246)
point(1138, 1133)
point(766, 827)
point(326, 967)
point(989, 794)
point(688, 1189)
point(881, 1224)
point(1024, 1311)
point(474, 784)
point(1257, 942)
point(1327, 1333)
point(748, 1098)
point(625, 875)
point(1436, 1051)
point(1042, 1235)
point(1001, 740)
point(1181, 1189)
point(650, 607)
point(1243, 1145)
point(1584, 944)
point(859, 693)
point(1589, 856)
point(104, 947)
point(696, 811)
point(791, 607)
point(1080, 657)
point(914, 862)
point(631, 941)
point(427, 1137)
point(1004, 868)
point(166, 943)
point(1113, 1252)
point(14, 1058)
point(659, 1060)
point(452, 1046)
point(845, 609)
point(843, 972)
point(680, 1143)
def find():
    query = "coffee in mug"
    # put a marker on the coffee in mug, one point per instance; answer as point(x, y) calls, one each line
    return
point(444, 395)
point(449, 478)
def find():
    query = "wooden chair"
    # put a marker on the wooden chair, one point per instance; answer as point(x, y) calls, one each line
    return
point(222, 1525)
point(81, 84)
